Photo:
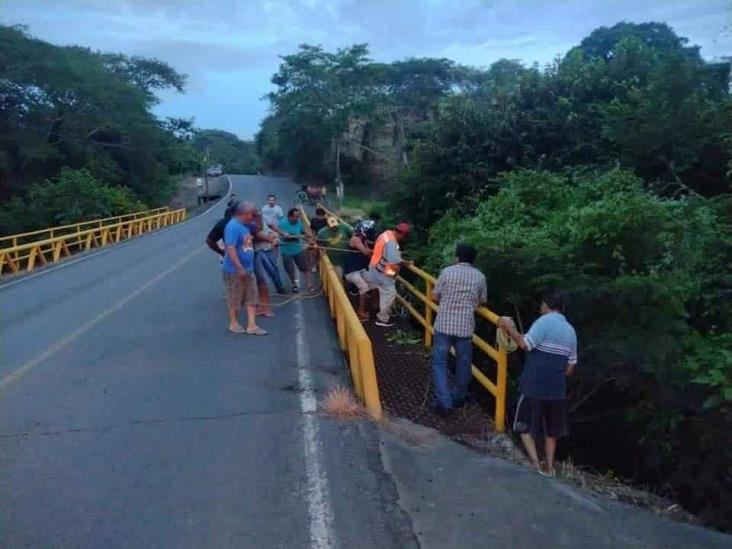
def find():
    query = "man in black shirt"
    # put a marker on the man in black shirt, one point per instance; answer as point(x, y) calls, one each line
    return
point(217, 232)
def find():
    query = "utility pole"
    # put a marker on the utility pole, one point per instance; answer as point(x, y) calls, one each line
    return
point(205, 170)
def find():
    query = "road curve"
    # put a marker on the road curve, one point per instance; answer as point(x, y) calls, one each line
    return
point(129, 416)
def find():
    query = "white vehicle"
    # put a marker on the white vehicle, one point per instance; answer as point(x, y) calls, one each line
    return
point(215, 171)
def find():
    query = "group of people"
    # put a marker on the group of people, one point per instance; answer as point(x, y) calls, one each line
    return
point(551, 356)
point(253, 241)
point(256, 240)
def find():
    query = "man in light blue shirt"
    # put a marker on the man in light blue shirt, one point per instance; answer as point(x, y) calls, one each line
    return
point(238, 270)
point(551, 356)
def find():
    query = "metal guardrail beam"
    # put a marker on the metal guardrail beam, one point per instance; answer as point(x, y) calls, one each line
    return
point(44, 234)
point(352, 337)
point(498, 355)
point(26, 256)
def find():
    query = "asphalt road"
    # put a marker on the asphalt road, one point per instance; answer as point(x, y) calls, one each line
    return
point(130, 417)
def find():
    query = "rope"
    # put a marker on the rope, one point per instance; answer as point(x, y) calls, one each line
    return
point(295, 298)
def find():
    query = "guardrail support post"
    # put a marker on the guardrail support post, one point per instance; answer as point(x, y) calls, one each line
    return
point(428, 314)
point(501, 379)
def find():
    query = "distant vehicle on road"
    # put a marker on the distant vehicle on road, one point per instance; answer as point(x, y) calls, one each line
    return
point(215, 171)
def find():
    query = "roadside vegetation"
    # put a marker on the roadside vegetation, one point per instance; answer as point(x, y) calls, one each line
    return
point(78, 139)
point(605, 174)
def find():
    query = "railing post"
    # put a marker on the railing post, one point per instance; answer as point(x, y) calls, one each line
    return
point(428, 314)
point(501, 379)
point(368, 379)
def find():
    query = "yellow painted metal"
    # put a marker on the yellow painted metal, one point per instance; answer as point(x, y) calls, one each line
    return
point(44, 234)
point(351, 335)
point(499, 356)
point(26, 256)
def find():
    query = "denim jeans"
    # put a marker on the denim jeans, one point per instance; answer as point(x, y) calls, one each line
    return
point(265, 263)
point(463, 358)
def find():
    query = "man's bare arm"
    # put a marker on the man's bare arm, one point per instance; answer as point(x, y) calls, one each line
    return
point(214, 246)
point(508, 326)
point(357, 243)
point(231, 249)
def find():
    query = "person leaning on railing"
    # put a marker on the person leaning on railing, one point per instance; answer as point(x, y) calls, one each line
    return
point(551, 356)
point(384, 268)
point(460, 288)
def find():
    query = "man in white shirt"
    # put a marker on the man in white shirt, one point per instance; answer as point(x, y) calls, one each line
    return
point(272, 212)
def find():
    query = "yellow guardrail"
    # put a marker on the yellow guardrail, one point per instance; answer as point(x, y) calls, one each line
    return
point(498, 355)
point(44, 234)
point(26, 256)
point(352, 337)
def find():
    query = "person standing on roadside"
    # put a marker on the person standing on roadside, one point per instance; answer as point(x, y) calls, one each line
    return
point(336, 237)
point(384, 268)
point(238, 270)
point(317, 223)
point(272, 212)
point(264, 266)
point(294, 256)
point(459, 290)
point(216, 233)
point(551, 356)
point(355, 267)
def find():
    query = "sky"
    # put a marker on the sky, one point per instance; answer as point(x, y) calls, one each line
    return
point(230, 48)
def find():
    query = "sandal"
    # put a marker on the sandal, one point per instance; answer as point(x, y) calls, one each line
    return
point(237, 330)
point(257, 332)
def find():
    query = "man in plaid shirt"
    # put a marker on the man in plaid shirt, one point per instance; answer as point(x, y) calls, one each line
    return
point(459, 290)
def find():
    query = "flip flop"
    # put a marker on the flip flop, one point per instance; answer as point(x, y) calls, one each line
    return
point(238, 330)
point(257, 332)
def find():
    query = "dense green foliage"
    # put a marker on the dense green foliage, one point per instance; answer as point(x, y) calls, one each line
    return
point(605, 174)
point(71, 107)
point(73, 196)
point(648, 281)
point(235, 155)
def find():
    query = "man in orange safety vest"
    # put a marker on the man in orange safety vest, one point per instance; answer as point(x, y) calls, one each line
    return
point(384, 267)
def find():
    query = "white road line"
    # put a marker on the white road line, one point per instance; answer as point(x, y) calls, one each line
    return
point(107, 249)
point(66, 341)
point(321, 516)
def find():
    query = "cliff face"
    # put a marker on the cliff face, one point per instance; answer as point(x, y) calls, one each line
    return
point(372, 151)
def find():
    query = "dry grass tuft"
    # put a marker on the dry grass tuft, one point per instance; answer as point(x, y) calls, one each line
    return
point(339, 401)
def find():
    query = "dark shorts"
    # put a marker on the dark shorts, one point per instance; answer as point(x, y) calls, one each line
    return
point(240, 292)
point(300, 260)
point(541, 417)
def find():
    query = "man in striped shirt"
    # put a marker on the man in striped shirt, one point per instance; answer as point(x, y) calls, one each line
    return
point(459, 290)
point(551, 356)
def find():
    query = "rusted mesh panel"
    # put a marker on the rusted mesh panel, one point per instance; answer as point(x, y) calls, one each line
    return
point(405, 386)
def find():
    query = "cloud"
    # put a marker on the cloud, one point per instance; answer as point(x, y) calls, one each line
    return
point(230, 48)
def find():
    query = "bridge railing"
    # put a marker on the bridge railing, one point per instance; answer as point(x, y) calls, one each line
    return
point(352, 337)
point(51, 232)
point(28, 255)
point(409, 293)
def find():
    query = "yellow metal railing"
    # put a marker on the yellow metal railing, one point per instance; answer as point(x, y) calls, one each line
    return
point(498, 355)
point(44, 234)
point(352, 337)
point(496, 388)
point(27, 256)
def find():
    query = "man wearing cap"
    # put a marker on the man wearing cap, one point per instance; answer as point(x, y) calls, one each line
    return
point(335, 236)
point(384, 268)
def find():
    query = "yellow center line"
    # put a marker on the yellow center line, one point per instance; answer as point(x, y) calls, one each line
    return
point(66, 341)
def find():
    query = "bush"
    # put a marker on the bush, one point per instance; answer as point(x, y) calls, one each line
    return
point(645, 278)
point(73, 196)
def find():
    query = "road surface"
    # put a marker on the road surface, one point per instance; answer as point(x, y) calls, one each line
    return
point(130, 417)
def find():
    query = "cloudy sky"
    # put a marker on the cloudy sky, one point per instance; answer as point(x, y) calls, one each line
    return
point(230, 48)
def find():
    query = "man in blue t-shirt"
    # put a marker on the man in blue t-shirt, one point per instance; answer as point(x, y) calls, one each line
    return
point(292, 249)
point(551, 356)
point(238, 270)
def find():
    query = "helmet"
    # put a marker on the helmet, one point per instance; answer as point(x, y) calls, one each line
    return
point(366, 229)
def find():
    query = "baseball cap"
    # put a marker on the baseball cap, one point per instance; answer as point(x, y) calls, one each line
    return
point(403, 228)
point(332, 222)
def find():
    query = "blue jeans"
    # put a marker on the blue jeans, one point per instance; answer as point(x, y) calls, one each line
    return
point(264, 264)
point(463, 358)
